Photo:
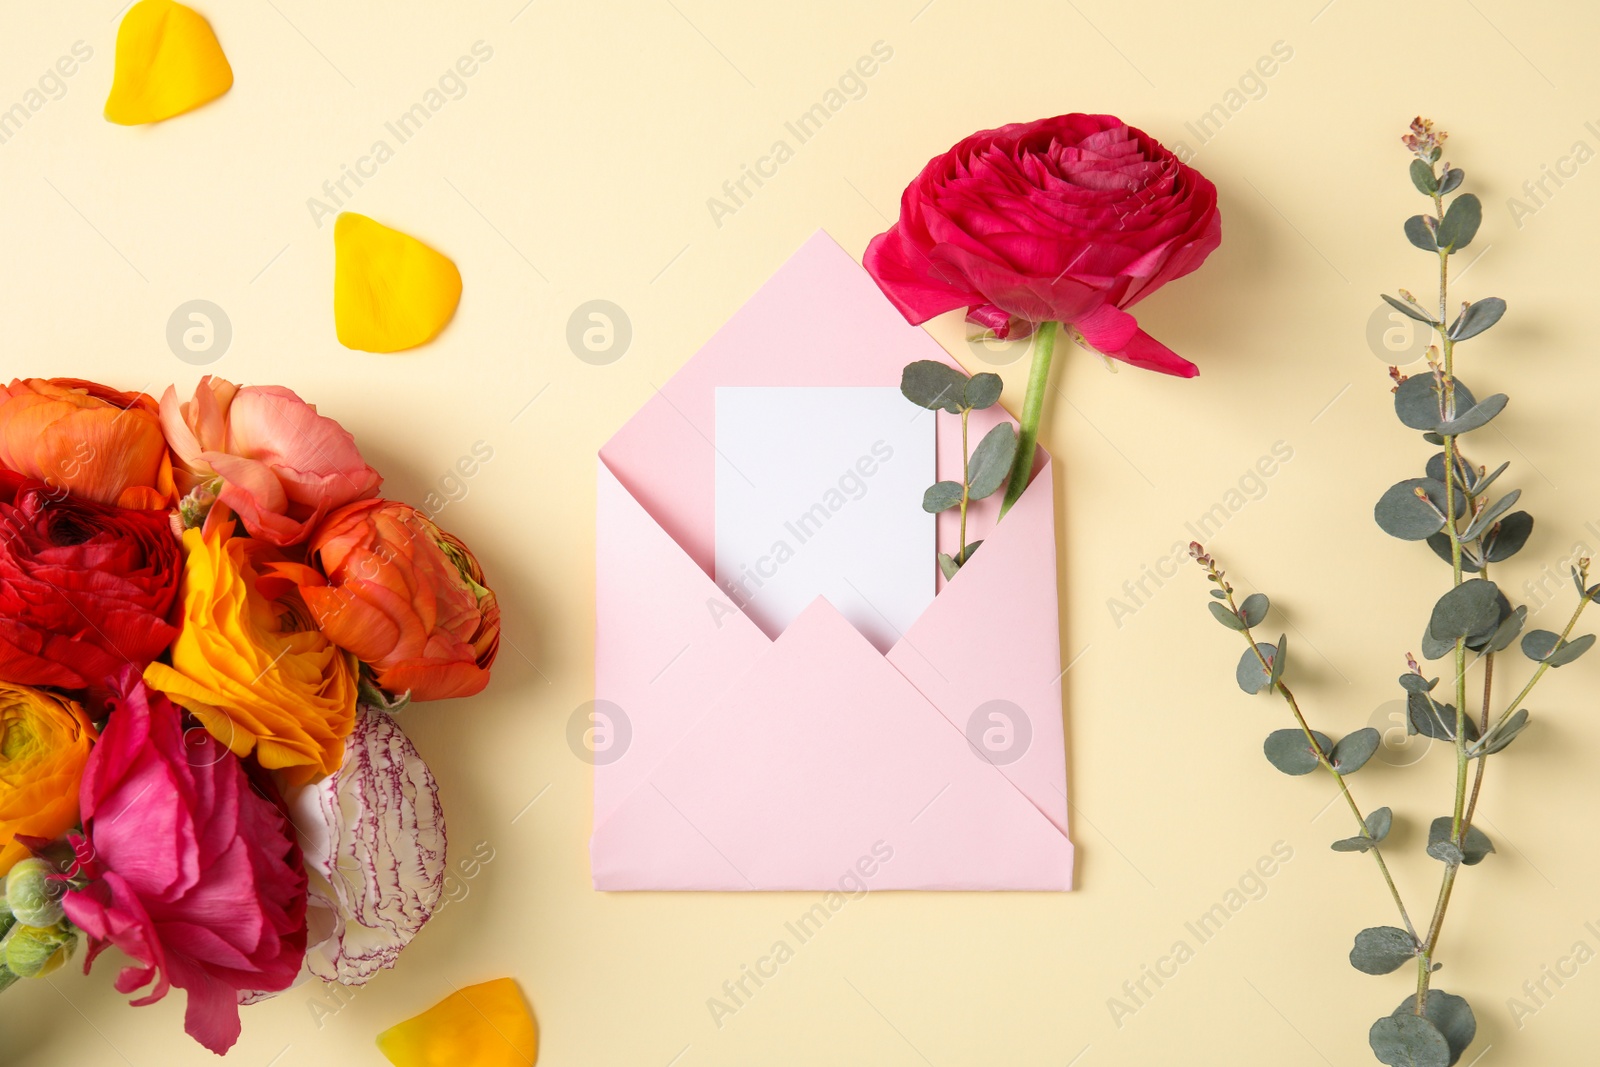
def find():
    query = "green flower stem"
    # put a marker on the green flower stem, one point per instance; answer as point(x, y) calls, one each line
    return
point(966, 485)
point(1044, 344)
point(1326, 763)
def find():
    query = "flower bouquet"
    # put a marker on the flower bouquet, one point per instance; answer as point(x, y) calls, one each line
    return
point(207, 620)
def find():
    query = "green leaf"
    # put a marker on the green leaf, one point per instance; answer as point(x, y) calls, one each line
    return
point(966, 553)
point(990, 465)
point(1382, 950)
point(1219, 594)
point(982, 391)
point(1470, 609)
point(1475, 417)
point(1250, 675)
point(1502, 735)
point(941, 496)
point(948, 566)
point(1422, 177)
point(1408, 1041)
point(1478, 316)
point(1419, 233)
point(1428, 717)
point(1377, 824)
point(1570, 650)
point(1489, 516)
point(1287, 750)
point(1281, 658)
point(1420, 405)
point(1416, 683)
point(1254, 608)
point(1450, 181)
point(1451, 1016)
point(1460, 223)
point(1508, 629)
point(1353, 750)
point(1473, 849)
point(1482, 484)
point(1401, 513)
point(1225, 616)
point(1538, 644)
point(1507, 539)
point(1409, 310)
point(1440, 543)
point(933, 385)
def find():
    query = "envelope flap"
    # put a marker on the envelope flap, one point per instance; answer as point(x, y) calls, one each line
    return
point(819, 321)
point(821, 755)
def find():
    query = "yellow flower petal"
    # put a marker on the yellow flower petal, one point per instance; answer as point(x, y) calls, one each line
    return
point(486, 1025)
point(168, 62)
point(390, 291)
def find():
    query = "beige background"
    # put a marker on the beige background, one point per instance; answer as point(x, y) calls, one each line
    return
point(577, 166)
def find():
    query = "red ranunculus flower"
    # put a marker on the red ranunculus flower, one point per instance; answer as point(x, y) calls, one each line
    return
point(190, 871)
point(1069, 220)
point(84, 587)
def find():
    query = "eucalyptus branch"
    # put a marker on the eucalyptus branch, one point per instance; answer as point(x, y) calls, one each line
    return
point(1450, 509)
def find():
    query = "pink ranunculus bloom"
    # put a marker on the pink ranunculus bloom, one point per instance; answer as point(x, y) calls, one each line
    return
point(281, 466)
point(1069, 219)
point(190, 872)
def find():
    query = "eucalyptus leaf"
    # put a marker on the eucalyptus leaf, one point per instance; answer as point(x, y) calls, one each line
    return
point(1382, 950)
point(1475, 417)
point(1353, 750)
point(1225, 616)
point(1570, 650)
point(1538, 644)
point(1461, 221)
point(1409, 310)
point(1508, 629)
point(1422, 177)
point(1489, 516)
point(1428, 717)
point(1433, 648)
point(1416, 683)
point(1470, 609)
point(982, 391)
point(1378, 823)
point(1219, 594)
point(1287, 750)
point(1280, 659)
point(1440, 543)
point(948, 566)
point(1249, 673)
point(1450, 181)
point(1420, 405)
point(1483, 483)
point(1401, 512)
point(1474, 847)
point(1446, 852)
point(1450, 1014)
point(1464, 473)
point(1478, 316)
point(990, 465)
point(1499, 737)
point(1420, 233)
point(1408, 1041)
point(966, 553)
point(1254, 608)
point(1508, 537)
point(933, 385)
point(941, 496)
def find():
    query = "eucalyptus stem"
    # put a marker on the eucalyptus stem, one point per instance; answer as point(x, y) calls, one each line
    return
point(1044, 344)
point(966, 484)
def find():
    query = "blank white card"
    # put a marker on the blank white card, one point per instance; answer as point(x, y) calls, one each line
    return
point(819, 493)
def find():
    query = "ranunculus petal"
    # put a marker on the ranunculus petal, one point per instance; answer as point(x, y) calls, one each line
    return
point(485, 1025)
point(168, 62)
point(390, 291)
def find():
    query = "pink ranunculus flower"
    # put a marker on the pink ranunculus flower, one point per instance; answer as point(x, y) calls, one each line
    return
point(281, 466)
point(1069, 219)
point(374, 849)
point(188, 870)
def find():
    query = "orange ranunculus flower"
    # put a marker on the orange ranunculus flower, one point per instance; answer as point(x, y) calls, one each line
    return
point(249, 662)
point(407, 598)
point(93, 441)
point(44, 742)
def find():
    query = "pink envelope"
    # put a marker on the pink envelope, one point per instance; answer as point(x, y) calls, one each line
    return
point(735, 761)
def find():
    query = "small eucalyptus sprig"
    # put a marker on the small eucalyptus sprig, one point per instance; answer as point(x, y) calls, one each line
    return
point(984, 470)
point(1451, 509)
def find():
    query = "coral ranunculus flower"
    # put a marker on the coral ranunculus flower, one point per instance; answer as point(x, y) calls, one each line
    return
point(250, 664)
point(44, 742)
point(277, 463)
point(407, 598)
point(95, 442)
point(84, 587)
point(190, 872)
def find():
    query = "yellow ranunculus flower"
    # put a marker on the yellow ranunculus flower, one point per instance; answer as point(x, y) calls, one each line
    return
point(250, 663)
point(44, 741)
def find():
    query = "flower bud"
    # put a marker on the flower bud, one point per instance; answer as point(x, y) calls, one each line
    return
point(32, 951)
point(33, 897)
